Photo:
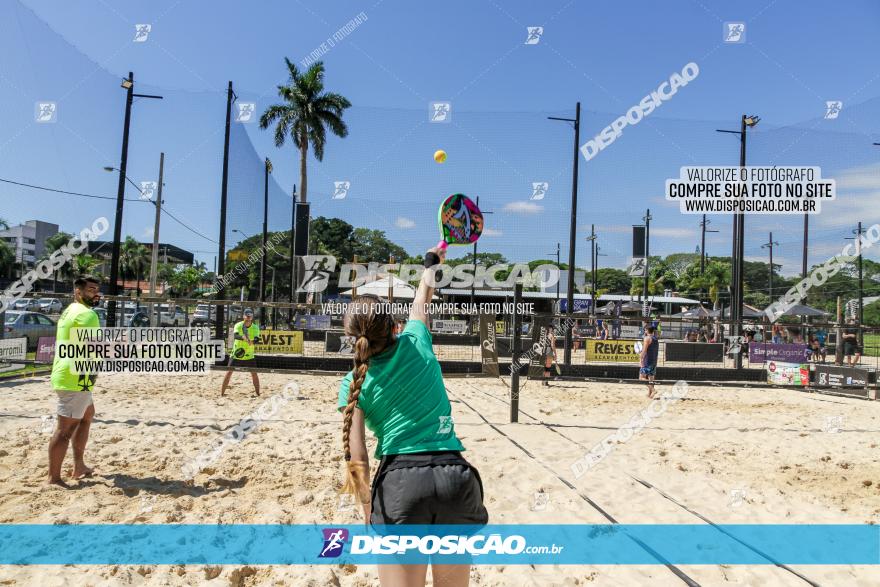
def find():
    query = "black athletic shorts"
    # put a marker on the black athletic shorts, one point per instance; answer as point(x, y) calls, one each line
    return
point(427, 488)
point(233, 362)
point(850, 348)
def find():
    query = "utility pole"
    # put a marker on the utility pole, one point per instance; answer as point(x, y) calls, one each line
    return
point(221, 254)
point(558, 259)
point(154, 254)
point(573, 226)
point(769, 245)
point(736, 259)
point(292, 256)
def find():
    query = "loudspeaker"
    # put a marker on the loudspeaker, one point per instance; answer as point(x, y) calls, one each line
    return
point(301, 240)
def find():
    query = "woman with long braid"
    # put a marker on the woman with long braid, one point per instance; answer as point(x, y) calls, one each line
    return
point(396, 390)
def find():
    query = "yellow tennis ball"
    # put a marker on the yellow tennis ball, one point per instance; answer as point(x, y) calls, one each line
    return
point(440, 156)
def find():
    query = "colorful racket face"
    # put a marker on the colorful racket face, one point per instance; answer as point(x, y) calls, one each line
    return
point(460, 221)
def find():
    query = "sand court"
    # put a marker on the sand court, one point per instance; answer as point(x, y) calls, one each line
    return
point(718, 455)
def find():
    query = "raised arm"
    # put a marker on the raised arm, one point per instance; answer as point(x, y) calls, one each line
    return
point(419, 309)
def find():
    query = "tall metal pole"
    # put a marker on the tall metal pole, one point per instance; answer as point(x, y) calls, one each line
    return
point(703, 245)
point(769, 245)
point(593, 269)
point(292, 256)
point(806, 239)
point(267, 169)
point(120, 199)
point(221, 247)
point(647, 258)
point(154, 256)
point(861, 280)
point(515, 356)
point(572, 231)
point(473, 282)
point(740, 243)
point(557, 267)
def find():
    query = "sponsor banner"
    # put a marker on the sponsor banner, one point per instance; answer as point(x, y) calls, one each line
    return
point(336, 341)
point(788, 373)
point(629, 331)
point(45, 349)
point(694, 352)
point(494, 544)
point(312, 322)
point(449, 326)
point(499, 327)
point(840, 377)
point(488, 346)
point(11, 349)
point(617, 351)
point(279, 341)
point(541, 328)
point(760, 352)
point(579, 305)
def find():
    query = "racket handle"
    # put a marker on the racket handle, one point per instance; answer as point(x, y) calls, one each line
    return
point(443, 245)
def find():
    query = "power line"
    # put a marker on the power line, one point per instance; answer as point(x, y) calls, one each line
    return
point(82, 195)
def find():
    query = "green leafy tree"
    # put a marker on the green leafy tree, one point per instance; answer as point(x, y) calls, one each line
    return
point(306, 114)
point(713, 282)
point(134, 258)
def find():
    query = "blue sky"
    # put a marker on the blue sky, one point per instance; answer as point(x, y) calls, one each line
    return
point(608, 56)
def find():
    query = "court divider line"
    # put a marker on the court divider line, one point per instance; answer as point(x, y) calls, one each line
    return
point(674, 569)
point(649, 486)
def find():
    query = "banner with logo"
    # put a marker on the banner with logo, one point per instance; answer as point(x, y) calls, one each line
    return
point(488, 345)
point(336, 341)
point(617, 351)
point(493, 544)
point(279, 341)
point(11, 349)
point(760, 352)
point(542, 326)
point(499, 327)
point(788, 373)
point(449, 326)
point(45, 349)
point(840, 377)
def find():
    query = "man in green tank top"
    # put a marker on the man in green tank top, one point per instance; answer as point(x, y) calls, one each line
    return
point(75, 407)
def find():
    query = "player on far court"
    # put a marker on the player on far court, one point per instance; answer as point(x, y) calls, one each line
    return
point(245, 335)
point(648, 358)
point(549, 354)
point(75, 407)
point(396, 390)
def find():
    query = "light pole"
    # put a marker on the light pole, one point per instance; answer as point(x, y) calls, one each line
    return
point(128, 85)
point(592, 239)
point(769, 245)
point(473, 282)
point(572, 227)
point(647, 219)
point(857, 238)
point(736, 258)
point(267, 170)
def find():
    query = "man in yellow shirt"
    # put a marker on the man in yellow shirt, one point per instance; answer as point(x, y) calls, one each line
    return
point(75, 407)
point(242, 355)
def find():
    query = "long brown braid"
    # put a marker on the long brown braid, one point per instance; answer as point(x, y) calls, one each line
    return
point(372, 325)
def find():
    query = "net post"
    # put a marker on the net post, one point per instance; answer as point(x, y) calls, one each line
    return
point(514, 355)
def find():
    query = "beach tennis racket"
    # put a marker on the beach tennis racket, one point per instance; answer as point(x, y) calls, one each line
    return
point(460, 221)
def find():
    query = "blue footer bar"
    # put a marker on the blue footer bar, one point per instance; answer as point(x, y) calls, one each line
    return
point(510, 544)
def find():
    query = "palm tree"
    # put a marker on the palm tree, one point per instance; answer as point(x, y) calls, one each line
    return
point(54, 243)
point(7, 259)
point(133, 257)
point(305, 113)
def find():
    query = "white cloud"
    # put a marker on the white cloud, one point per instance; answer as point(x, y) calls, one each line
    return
point(148, 232)
point(491, 232)
point(858, 196)
point(403, 222)
point(523, 208)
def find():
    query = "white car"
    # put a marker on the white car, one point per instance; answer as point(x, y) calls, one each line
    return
point(50, 305)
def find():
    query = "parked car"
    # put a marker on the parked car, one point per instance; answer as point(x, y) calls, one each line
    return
point(33, 325)
point(167, 317)
point(23, 304)
point(102, 315)
point(50, 305)
point(205, 315)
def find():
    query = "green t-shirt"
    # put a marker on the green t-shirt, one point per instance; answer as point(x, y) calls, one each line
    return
point(241, 350)
point(403, 397)
point(76, 315)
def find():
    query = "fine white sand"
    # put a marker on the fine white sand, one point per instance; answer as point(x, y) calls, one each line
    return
point(733, 455)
